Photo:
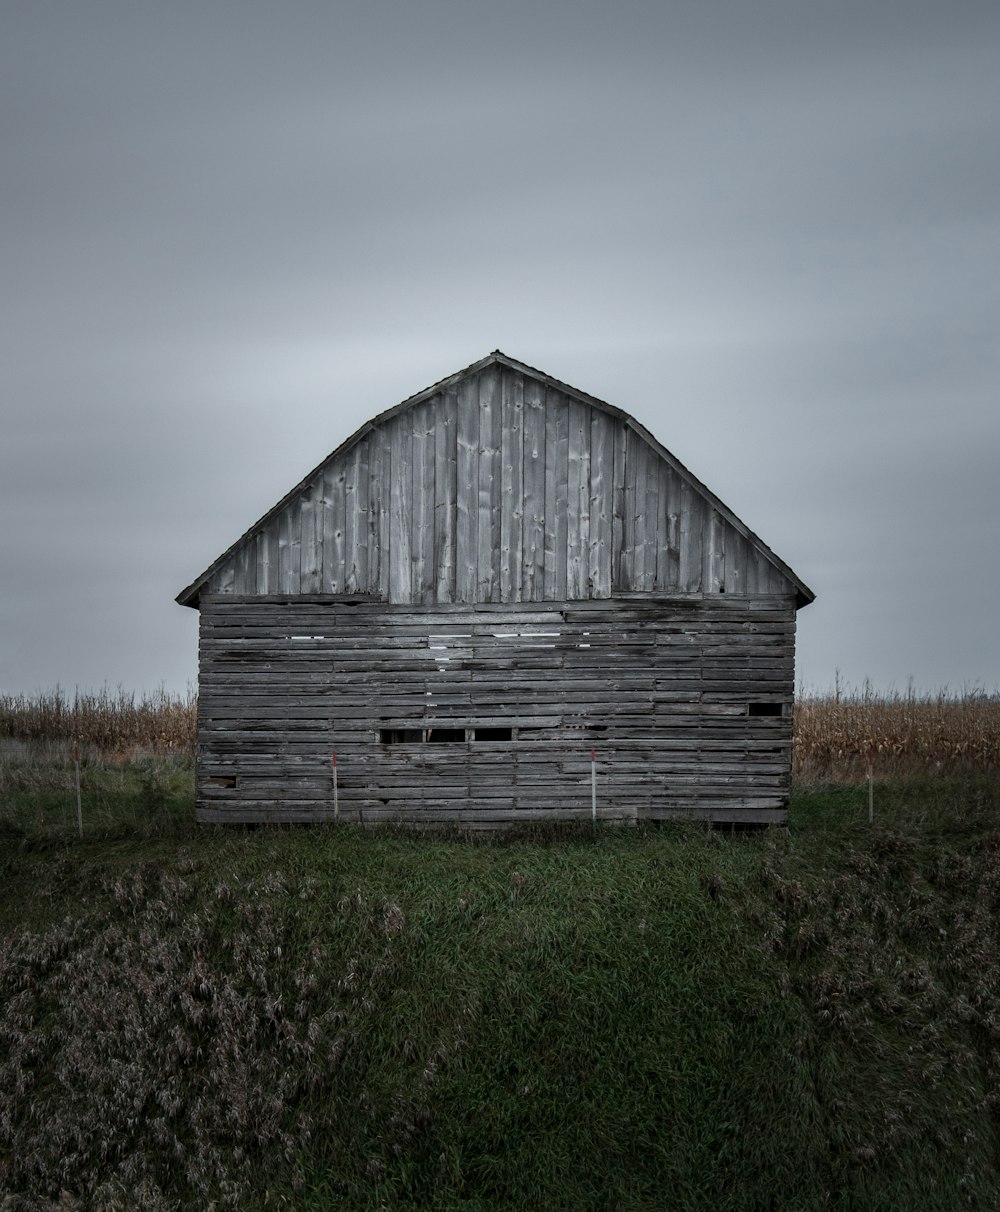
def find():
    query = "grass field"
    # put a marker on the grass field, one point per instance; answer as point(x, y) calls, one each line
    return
point(324, 1017)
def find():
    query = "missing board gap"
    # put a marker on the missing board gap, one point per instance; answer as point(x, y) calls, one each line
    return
point(445, 736)
point(772, 710)
point(400, 736)
point(222, 780)
point(442, 736)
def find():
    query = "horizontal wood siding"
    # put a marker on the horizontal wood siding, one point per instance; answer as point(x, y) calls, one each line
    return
point(499, 488)
point(660, 687)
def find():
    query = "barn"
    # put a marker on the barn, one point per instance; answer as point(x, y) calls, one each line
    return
point(500, 601)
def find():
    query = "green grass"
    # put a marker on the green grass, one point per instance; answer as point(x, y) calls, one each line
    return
point(622, 1019)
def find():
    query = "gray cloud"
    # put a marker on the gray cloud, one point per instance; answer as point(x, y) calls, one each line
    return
point(231, 233)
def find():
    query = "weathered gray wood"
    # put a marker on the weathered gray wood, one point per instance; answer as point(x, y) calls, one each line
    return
point(400, 517)
point(467, 543)
point(713, 572)
point(651, 475)
point(534, 451)
point(633, 551)
point(290, 548)
point(334, 525)
point(356, 519)
point(262, 564)
point(284, 680)
point(445, 493)
point(578, 501)
point(692, 523)
point(380, 470)
point(618, 505)
point(490, 487)
point(501, 553)
point(556, 493)
point(502, 486)
point(311, 553)
point(601, 502)
point(244, 574)
point(421, 509)
point(512, 486)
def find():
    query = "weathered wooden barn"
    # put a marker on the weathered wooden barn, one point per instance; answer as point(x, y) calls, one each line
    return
point(479, 592)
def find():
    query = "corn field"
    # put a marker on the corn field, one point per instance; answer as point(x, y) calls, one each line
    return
point(833, 733)
point(118, 724)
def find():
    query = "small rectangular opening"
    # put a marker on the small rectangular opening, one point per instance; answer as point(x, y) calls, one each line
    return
point(492, 734)
point(222, 780)
point(445, 736)
point(401, 736)
point(771, 709)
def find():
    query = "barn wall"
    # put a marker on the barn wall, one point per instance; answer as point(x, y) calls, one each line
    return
point(661, 688)
point(498, 488)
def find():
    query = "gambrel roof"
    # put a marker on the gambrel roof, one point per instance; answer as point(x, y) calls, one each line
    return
point(499, 484)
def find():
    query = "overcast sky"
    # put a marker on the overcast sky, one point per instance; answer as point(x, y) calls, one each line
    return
point(230, 233)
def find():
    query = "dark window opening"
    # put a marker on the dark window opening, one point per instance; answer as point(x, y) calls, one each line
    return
point(771, 709)
point(445, 736)
point(442, 736)
point(401, 736)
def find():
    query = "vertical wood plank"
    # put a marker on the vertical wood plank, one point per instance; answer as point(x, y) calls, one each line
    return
point(718, 553)
point(512, 488)
point(489, 485)
point(424, 575)
point(400, 479)
point(290, 548)
point(354, 519)
point(714, 553)
point(578, 501)
point(334, 521)
point(384, 511)
point(776, 582)
point(263, 563)
point(467, 501)
point(633, 530)
point(690, 562)
point(601, 502)
point(272, 538)
point(618, 507)
point(356, 553)
point(351, 521)
point(556, 493)
point(428, 571)
point(445, 493)
point(533, 550)
point(307, 529)
point(311, 506)
point(239, 562)
point(669, 536)
point(752, 582)
point(651, 516)
point(224, 578)
point(417, 496)
point(736, 558)
point(377, 534)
